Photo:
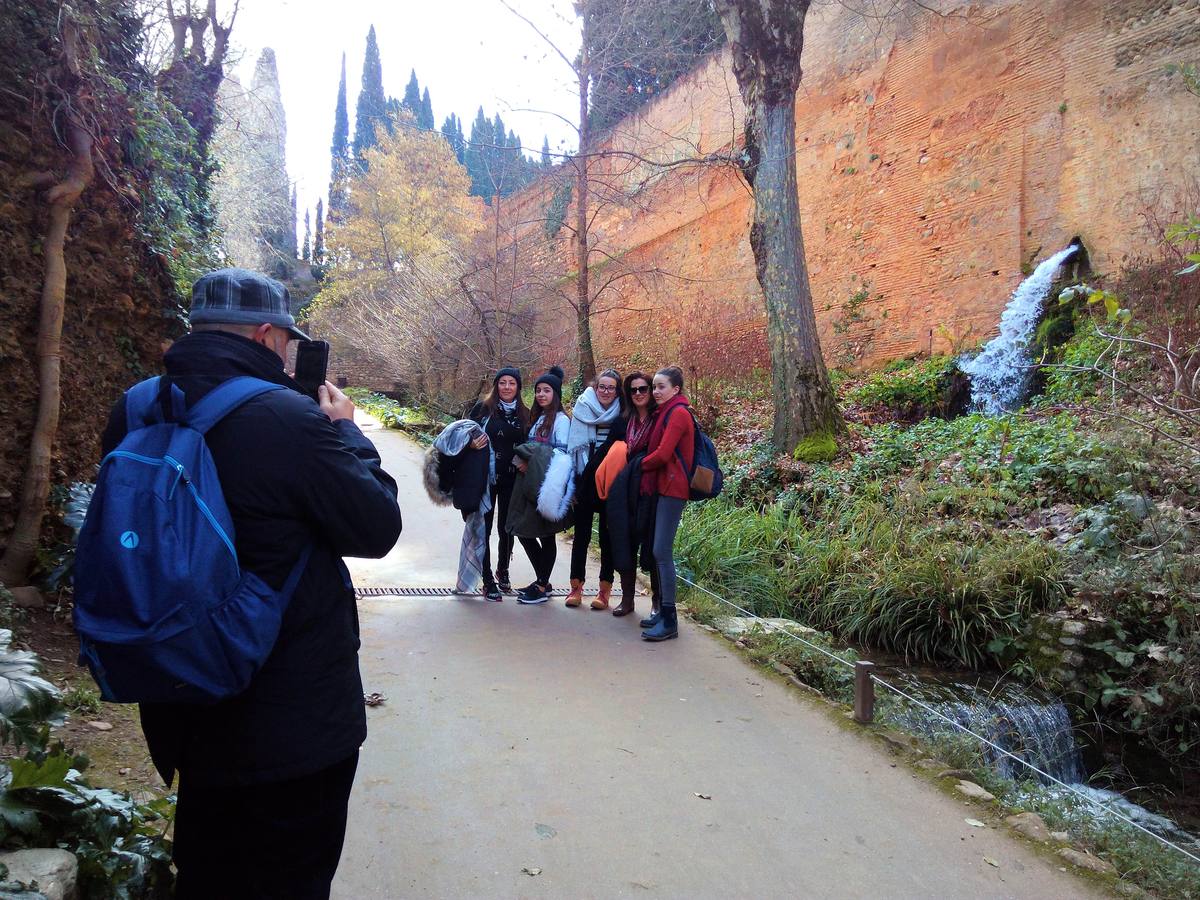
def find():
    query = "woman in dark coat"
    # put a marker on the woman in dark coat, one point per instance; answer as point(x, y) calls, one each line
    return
point(630, 513)
point(505, 419)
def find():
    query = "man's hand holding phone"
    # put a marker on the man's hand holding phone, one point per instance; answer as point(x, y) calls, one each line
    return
point(334, 403)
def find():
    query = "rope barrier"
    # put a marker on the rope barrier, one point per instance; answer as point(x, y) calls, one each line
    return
point(1091, 801)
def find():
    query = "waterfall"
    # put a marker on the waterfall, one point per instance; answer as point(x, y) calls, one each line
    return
point(1035, 729)
point(1000, 373)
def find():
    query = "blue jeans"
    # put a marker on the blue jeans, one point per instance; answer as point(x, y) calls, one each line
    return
point(666, 523)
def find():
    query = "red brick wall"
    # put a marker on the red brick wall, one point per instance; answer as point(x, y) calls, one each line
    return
point(937, 157)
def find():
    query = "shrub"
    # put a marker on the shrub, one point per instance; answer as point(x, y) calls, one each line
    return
point(877, 568)
point(913, 390)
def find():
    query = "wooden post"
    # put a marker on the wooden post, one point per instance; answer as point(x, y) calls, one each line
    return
point(864, 692)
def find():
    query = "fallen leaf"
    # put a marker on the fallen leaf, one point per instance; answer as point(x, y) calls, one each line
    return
point(544, 831)
point(530, 870)
point(704, 796)
point(975, 823)
point(374, 699)
point(991, 862)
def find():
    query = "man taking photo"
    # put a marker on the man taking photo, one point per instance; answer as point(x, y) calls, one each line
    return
point(265, 776)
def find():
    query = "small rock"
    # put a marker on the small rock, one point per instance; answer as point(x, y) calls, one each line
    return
point(1061, 836)
point(531, 870)
point(785, 671)
point(974, 791)
point(954, 773)
point(931, 765)
point(1029, 824)
point(1087, 861)
point(1072, 626)
point(55, 871)
point(100, 726)
point(27, 598)
point(123, 771)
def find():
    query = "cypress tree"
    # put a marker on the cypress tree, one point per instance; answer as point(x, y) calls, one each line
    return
point(460, 140)
point(291, 232)
point(318, 250)
point(339, 150)
point(546, 160)
point(306, 249)
point(412, 95)
point(425, 118)
point(452, 129)
point(479, 157)
point(372, 103)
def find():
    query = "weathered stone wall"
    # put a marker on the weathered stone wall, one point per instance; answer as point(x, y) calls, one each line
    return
point(939, 156)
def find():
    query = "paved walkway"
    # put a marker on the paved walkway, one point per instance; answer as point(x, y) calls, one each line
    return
point(555, 741)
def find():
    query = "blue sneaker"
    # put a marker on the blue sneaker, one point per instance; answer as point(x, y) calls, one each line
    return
point(535, 593)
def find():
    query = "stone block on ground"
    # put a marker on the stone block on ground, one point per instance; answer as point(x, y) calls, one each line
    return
point(1087, 861)
point(1029, 824)
point(974, 791)
point(27, 598)
point(55, 871)
point(737, 626)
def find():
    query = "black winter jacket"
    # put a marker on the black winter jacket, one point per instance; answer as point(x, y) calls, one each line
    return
point(585, 490)
point(631, 519)
point(464, 478)
point(290, 478)
point(506, 434)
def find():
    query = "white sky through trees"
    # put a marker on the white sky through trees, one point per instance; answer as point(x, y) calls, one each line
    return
point(467, 52)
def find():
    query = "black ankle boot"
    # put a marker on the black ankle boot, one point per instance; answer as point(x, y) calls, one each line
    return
point(667, 627)
point(655, 613)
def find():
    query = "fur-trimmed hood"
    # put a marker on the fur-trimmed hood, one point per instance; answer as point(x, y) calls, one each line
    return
point(429, 473)
point(557, 489)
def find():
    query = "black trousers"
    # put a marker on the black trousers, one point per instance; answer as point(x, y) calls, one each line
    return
point(278, 840)
point(501, 495)
point(584, 513)
point(542, 554)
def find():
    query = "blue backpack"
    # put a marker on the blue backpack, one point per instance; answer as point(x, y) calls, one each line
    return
point(705, 479)
point(163, 611)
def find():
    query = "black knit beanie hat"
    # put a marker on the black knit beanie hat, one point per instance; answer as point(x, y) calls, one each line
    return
point(554, 378)
point(511, 372)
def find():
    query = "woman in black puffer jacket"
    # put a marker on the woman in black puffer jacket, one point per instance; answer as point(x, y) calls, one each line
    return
point(505, 418)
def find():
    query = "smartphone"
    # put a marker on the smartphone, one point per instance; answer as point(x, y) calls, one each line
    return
point(312, 361)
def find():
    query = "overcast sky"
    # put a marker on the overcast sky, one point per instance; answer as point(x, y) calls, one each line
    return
point(467, 52)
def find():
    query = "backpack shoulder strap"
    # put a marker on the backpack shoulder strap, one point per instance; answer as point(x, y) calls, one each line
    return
point(144, 403)
point(224, 399)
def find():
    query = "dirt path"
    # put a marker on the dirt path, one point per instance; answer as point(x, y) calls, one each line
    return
point(555, 741)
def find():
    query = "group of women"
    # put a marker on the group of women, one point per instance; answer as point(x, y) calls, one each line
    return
point(621, 455)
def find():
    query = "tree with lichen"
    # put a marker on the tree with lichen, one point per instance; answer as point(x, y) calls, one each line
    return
point(766, 38)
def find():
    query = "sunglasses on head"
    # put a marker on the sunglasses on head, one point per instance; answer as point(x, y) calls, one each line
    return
point(640, 389)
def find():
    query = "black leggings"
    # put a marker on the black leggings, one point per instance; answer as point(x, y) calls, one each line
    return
point(583, 539)
point(501, 495)
point(542, 553)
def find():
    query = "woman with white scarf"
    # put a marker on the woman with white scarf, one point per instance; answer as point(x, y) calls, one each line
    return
point(596, 413)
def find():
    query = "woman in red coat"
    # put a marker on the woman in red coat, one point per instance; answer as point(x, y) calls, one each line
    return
point(665, 474)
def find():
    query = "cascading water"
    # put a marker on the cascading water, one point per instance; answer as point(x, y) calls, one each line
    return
point(1000, 373)
point(1033, 728)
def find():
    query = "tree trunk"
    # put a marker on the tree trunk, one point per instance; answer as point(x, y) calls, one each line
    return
point(804, 401)
point(766, 38)
point(583, 302)
point(22, 544)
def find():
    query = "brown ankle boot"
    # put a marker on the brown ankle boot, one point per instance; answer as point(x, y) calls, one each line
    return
point(602, 598)
point(628, 585)
point(576, 596)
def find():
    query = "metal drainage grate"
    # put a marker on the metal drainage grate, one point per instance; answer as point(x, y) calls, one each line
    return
point(424, 592)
